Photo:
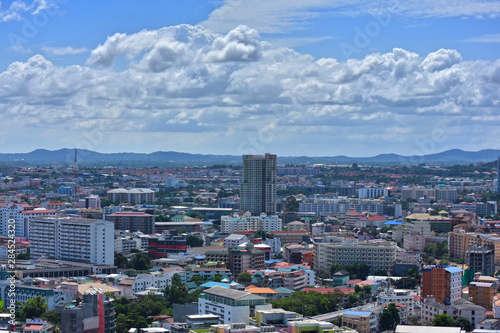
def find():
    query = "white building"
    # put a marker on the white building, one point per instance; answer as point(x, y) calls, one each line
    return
point(232, 306)
point(230, 224)
point(372, 192)
point(234, 240)
point(400, 296)
point(21, 216)
point(81, 240)
point(143, 282)
point(376, 254)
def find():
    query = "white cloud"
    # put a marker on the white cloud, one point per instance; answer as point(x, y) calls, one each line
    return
point(187, 82)
point(19, 8)
point(280, 16)
point(62, 51)
point(492, 38)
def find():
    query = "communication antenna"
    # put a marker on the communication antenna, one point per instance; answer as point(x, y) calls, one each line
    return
point(76, 166)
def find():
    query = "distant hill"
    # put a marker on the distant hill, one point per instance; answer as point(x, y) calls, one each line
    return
point(172, 158)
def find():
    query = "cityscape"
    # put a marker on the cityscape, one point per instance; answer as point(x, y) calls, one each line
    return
point(249, 166)
point(254, 246)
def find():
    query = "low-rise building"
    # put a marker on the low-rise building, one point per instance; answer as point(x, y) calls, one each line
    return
point(231, 306)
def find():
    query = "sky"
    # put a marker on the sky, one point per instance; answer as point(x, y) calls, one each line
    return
point(315, 78)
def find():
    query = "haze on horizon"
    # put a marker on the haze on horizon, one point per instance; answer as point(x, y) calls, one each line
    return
point(320, 78)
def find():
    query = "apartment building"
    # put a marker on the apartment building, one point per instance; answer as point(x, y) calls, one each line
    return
point(378, 255)
point(230, 224)
point(72, 239)
point(160, 247)
point(416, 192)
point(21, 214)
point(482, 293)
point(323, 207)
point(291, 236)
point(372, 192)
point(133, 221)
point(444, 284)
point(133, 196)
point(459, 241)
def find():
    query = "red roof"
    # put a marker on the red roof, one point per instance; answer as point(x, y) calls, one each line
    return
point(376, 218)
point(32, 327)
point(320, 290)
point(353, 282)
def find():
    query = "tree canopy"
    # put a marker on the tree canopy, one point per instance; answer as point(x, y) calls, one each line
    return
point(389, 318)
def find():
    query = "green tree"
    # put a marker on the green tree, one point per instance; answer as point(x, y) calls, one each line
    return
point(23, 256)
point(52, 317)
point(217, 277)
point(194, 241)
point(291, 204)
point(120, 260)
point(177, 292)
point(34, 308)
point(357, 288)
point(389, 318)
point(197, 279)
point(244, 277)
point(465, 324)
point(367, 289)
point(443, 320)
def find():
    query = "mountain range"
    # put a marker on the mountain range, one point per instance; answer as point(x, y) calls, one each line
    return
point(66, 156)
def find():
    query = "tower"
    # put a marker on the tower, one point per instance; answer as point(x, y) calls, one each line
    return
point(498, 174)
point(258, 190)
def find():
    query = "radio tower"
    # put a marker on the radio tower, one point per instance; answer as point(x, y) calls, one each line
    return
point(76, 166)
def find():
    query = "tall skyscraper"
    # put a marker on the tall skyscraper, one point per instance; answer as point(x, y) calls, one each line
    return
point(258, 190)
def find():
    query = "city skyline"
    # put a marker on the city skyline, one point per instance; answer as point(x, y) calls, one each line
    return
point(324, 78)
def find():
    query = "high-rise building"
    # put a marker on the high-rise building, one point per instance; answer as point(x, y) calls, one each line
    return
point(481, 259)
point(258, 190)
point(81, 240)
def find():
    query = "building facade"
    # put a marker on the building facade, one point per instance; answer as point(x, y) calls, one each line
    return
point(258, 189)
point(444, 284)
point(133, 221)
point(81, 240)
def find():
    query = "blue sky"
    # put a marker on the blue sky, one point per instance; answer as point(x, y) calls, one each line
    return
point(320, 77)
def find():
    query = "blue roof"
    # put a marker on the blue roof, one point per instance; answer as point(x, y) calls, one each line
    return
point(271, 261)
point(211, 284)
point(357, 313)
point(393, 223)
point(200, 257)
point(453, 269)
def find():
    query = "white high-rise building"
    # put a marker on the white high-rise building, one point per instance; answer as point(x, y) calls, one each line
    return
point(81, 240)
point(21, 216)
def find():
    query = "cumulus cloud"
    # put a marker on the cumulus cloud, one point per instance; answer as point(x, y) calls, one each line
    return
point(187, 80)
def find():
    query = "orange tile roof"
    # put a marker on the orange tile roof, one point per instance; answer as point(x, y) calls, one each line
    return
point(257, 290)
